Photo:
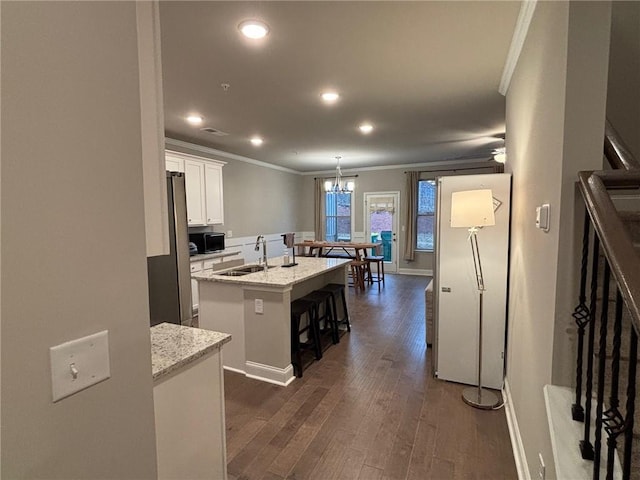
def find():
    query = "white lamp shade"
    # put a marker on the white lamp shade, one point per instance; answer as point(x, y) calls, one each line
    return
point(472, 208)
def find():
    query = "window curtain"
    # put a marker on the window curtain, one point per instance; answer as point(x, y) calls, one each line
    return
point(410, 209)
point(318, 215)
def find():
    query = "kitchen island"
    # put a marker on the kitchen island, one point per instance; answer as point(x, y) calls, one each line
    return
point(188, 398)
point(255, 310)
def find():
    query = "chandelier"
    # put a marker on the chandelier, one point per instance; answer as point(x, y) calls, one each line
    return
point(339, 185)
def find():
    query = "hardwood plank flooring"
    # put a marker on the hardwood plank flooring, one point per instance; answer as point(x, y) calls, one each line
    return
point(368, 410)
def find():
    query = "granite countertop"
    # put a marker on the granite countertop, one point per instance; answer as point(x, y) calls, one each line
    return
point(174, 346)
point(220, 254)
point(278, 276)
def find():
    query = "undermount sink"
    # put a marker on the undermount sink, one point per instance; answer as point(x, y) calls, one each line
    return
point(232, 273)
point(244, 270)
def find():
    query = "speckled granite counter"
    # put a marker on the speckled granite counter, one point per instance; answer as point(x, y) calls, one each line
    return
point(174, 346)
point(278, 276)
point(220, 254)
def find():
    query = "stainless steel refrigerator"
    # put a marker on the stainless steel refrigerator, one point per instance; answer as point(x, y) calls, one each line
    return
point(170, 275)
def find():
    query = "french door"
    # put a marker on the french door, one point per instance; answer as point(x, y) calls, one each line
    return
point(381, 211)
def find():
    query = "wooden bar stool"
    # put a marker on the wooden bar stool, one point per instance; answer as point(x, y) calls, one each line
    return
point(298, 309)
point(323, 312)
point(334, 289)
point(379, 261)
point(357, 273)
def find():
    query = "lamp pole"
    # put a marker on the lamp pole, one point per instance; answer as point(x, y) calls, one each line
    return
point(478, 398)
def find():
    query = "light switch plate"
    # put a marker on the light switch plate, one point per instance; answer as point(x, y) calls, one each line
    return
point(259, 306)
point(78, 364)
point(542, 217)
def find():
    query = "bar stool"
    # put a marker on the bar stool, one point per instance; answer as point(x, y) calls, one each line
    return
point(323, 299)
point(298, 309)
point(334, 289)
point(357, 273)
point(379, 261)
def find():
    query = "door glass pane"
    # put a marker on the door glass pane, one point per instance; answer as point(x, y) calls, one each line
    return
point(381, 223)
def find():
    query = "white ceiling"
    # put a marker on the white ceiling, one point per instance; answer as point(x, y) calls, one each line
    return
point(425, 74)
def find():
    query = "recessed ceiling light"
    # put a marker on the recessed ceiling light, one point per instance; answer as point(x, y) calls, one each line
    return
point(366, 128)
point(330, 97)
point(254, 29)
point(195, 119)
point(257, 141)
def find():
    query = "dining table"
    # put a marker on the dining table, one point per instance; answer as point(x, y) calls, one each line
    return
point(354, 250)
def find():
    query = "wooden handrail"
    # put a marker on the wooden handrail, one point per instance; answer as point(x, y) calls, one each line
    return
point(614, 237)
point(616, 152)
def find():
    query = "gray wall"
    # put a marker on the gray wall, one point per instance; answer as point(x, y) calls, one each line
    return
point(555, 119)
point(73, 240)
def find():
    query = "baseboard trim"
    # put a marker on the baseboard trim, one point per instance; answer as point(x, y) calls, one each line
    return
point(267, 373)
point(415, 271)
point(517, 446)
point(235, 370)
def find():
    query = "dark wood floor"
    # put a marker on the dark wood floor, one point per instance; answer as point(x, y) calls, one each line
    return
point(368, 410)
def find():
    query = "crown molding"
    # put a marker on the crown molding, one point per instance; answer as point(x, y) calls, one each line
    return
point(171, 142)
point(430, 165)
point(230, 156)
point(517, 42)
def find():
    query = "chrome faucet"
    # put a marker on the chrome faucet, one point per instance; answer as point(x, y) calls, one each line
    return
point(263, 260)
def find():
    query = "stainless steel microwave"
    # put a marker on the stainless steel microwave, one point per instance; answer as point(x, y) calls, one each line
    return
point(208, 242)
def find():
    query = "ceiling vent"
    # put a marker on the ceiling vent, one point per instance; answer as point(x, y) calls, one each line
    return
point(213, 131)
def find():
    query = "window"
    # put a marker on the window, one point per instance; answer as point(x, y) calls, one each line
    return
point(338, 217)
point(426, 213)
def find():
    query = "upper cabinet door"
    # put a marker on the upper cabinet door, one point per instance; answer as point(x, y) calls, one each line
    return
point(173, 163)
point(194, 186)
point(214, 196)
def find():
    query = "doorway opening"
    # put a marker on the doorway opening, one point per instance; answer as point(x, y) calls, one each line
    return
point(381, 224)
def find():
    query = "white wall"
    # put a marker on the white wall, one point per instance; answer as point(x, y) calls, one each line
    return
point(73, 239)
point(550, 115)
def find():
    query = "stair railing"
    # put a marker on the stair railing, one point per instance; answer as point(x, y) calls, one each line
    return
point(622, 264)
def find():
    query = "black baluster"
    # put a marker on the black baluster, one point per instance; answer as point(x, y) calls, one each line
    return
point(631, 397)
point(613, 420)
point(602, 365)
point(586, 449)
point(581, 317)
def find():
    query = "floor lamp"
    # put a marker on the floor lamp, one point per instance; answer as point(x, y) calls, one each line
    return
point(473, 209)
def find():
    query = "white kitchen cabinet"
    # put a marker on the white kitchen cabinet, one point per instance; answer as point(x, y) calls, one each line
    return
point(213, 193)
point(203, 183)
point(173, 163)
point(188, 399)
point(194, 186)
